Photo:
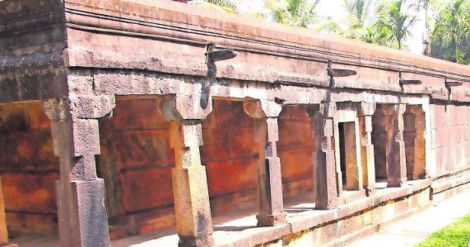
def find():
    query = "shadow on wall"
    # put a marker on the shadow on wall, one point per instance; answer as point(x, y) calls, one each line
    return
point(28, 168)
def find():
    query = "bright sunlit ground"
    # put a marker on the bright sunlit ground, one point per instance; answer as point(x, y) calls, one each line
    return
point(456, 234)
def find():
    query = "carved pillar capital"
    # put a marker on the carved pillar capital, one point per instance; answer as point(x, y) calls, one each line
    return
point(367, 108)
point(79, 107)
point(262, 108)
point(328, 110)
point(185, 107)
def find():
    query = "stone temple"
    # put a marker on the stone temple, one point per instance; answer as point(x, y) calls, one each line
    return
point(161, 124)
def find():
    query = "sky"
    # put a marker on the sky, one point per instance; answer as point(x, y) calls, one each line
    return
point(334, 9)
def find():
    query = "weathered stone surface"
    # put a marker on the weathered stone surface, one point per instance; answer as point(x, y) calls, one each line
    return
point(192, 209)
point(326, 186)
point(387, 138)
point(269, 167)
point(296, 149)
point(142, 48)
point(91, 212)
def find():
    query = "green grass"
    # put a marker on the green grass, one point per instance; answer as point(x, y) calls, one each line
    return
point(456, 234)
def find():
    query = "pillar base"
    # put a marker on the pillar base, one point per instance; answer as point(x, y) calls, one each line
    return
point(370, 189)
point(397, 183)
point(199, 241)
point(327, 204)
point(271, 220)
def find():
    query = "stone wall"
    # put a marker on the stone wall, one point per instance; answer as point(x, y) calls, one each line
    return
point(136, 161)
point(28, 168)
point(450, 135)
point(145, 116)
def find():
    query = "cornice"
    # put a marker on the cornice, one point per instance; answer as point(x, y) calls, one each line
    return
point(180, 23)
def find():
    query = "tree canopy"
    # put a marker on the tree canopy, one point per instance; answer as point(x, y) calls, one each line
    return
point(383, 22)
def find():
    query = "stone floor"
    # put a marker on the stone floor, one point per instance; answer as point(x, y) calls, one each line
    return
point(228, 228)
point(414, 229)
point(234, 227)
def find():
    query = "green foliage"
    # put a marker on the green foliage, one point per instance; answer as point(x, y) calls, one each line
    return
point(376, 35)
point(220, 5)
point(358, 10)
point(450, 39)
point(394, 20)
point(299, 13)
point(388, 24)
point(455, 235)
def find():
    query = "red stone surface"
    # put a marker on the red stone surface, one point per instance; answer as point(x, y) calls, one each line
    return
point(146, 189)
point(30, 192)
point(28, 167)
point(296, 147)
point(452, 141)
point(136, 158)
point(231, 152)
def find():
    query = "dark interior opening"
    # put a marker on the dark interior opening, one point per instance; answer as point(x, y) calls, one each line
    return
point(348, 156)
point(380, 141)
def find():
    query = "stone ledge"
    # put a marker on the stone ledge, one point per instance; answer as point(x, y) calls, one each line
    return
point(439, 187)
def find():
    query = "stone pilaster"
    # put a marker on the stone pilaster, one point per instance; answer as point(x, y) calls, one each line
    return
point(271, 206)
point(367, 148)
point(326, 177)
point(397, 162)
point(82, 214)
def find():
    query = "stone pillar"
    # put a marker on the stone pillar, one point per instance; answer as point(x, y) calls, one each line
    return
point(397, 160)
point(367, 148)
point(326, 177)
point(429, 143)
point(82, 214)
point(271, 204)
point(3, 222)
point(415, 143)
point(190, 190)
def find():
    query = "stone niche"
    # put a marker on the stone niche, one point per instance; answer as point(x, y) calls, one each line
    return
point(297, 146)
point(387, 147)
point(348, 149)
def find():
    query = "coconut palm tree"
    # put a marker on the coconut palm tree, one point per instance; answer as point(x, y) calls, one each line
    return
point(356, 19)
point(358, 9)
point(451, 34)
point(424, 4)
point(393, 18)
point(376, 35)
point(299, 13)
